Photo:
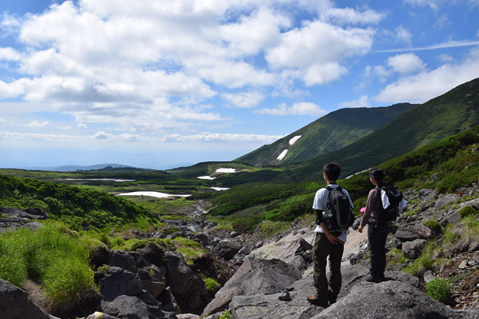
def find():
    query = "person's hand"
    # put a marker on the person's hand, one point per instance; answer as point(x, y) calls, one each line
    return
point(334, 240)
point(360, 228)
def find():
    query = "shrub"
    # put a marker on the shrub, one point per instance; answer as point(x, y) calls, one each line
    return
point(468, 210)
point(212, 285)
point(439, 289)
point(226, 315)
point(269, 228)
point(433, 225)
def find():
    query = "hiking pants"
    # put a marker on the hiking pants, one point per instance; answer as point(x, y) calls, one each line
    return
point(377, 236)
point(327, 290)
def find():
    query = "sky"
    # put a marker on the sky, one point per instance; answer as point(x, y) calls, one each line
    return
point(166, 83)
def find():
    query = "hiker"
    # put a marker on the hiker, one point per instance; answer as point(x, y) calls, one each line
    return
point(330, 236)
point(378, 229)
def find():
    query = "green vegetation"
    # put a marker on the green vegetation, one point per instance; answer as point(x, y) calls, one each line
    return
point(424, 262)
point(36, 255)
point(327, 134)
point(468, 211)
point(433, 225)
point(269, 228)
point(211, 285)
point(226, 315)
point(439, 289)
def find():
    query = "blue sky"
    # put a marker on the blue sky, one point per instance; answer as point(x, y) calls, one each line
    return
point(164, 83)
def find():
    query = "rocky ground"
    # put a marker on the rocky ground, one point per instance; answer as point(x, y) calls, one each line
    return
point(256, 272)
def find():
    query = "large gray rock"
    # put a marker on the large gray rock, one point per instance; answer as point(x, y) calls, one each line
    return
point(118, 281)
point(226, 249)
point(441, 202)
point(424, 232)
point(389, 299)
point(131, 307)
point(152, 280)
point(404, 234)
point(255, 276)
point(123, 260)
point(14, 304)
point(413, 249)
point(28, 213)
point(269, 306)
point(285, 249)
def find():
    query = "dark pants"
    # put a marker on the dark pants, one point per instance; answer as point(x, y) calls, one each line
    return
point(377, 236)
point(327, 290)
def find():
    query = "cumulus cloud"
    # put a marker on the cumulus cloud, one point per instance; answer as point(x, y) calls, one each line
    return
point(38, 137)
point(363, 101)
point(9, 54)
point(301, 108)
point(406, 63)
point(245, 99)
point(428, 84)
point(82, 126)
point(222, 138)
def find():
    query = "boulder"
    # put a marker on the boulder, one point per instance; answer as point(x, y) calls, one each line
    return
point(226, 249)
point(118, 281)
point(255, 276)
point(26, 214)
point(178, 272)
point(131, 307)
point(388, 299)
point(441, 202)
point(413, 249)
point(152, 280)
point(101, 315)
point(14, 304)
point(452, 218)
point(123, 260)
point(424, 232)
point(285, 249)
point(404, 234)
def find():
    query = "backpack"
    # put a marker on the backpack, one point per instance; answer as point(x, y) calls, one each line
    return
point(389, 214)
point(338, 208)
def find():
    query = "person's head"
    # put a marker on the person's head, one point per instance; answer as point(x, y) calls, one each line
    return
point(332, 171)
point(378, 175)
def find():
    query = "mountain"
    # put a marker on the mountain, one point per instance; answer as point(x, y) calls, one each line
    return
point(325, 135)
point(430, 122)
point(73, 168)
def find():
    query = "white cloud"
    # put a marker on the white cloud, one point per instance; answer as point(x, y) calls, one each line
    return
point(351, 16)
point(301, 108)
point(245, 99)
point(9, 54)
point(37, 124)
point(445, 58)
point(406, 63)
point(381, 72)
point(363, 101)
point(427, 85)
point(37, 137)
point(222, 137)
point(82, 126)
point(64, 127)
point(403, 35)
point(317, 49)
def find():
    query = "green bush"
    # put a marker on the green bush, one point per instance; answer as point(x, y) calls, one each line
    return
point(467, 211)
point(211, 285)
point(433, 225)
point(226, 315)
point(439, 289)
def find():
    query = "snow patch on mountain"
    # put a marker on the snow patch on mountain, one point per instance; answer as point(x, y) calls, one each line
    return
point(294, 139)
point(282, 155)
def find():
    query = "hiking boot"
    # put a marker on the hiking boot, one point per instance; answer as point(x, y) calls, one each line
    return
point(370, 278)
point(315, 301)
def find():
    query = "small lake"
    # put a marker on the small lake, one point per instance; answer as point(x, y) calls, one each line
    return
point(151, 194)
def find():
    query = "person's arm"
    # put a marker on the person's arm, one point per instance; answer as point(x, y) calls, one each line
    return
point(373, 197)
point(333, 239)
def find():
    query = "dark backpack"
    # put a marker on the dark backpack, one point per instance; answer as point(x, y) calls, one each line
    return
point(389, 214)
point(339, 208)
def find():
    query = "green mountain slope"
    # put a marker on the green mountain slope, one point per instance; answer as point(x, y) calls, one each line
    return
point(327, 134)
point(430, 122)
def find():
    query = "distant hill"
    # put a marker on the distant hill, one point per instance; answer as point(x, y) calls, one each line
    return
point(325, 135)
point(443, 116)
point(73, 168)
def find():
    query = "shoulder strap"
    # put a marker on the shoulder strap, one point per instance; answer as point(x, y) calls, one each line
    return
point(329, 188)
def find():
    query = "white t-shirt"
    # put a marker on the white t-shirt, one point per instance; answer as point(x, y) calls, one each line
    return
point(319, 203)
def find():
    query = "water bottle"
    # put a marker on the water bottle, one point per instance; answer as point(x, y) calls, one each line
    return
point(326, 220)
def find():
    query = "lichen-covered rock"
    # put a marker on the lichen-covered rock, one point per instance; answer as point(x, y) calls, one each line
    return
point(413, 249)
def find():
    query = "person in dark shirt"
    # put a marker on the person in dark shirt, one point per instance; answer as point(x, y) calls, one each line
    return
point(377, 232)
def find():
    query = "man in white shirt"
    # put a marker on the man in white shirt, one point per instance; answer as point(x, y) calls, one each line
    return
point(327, 243)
